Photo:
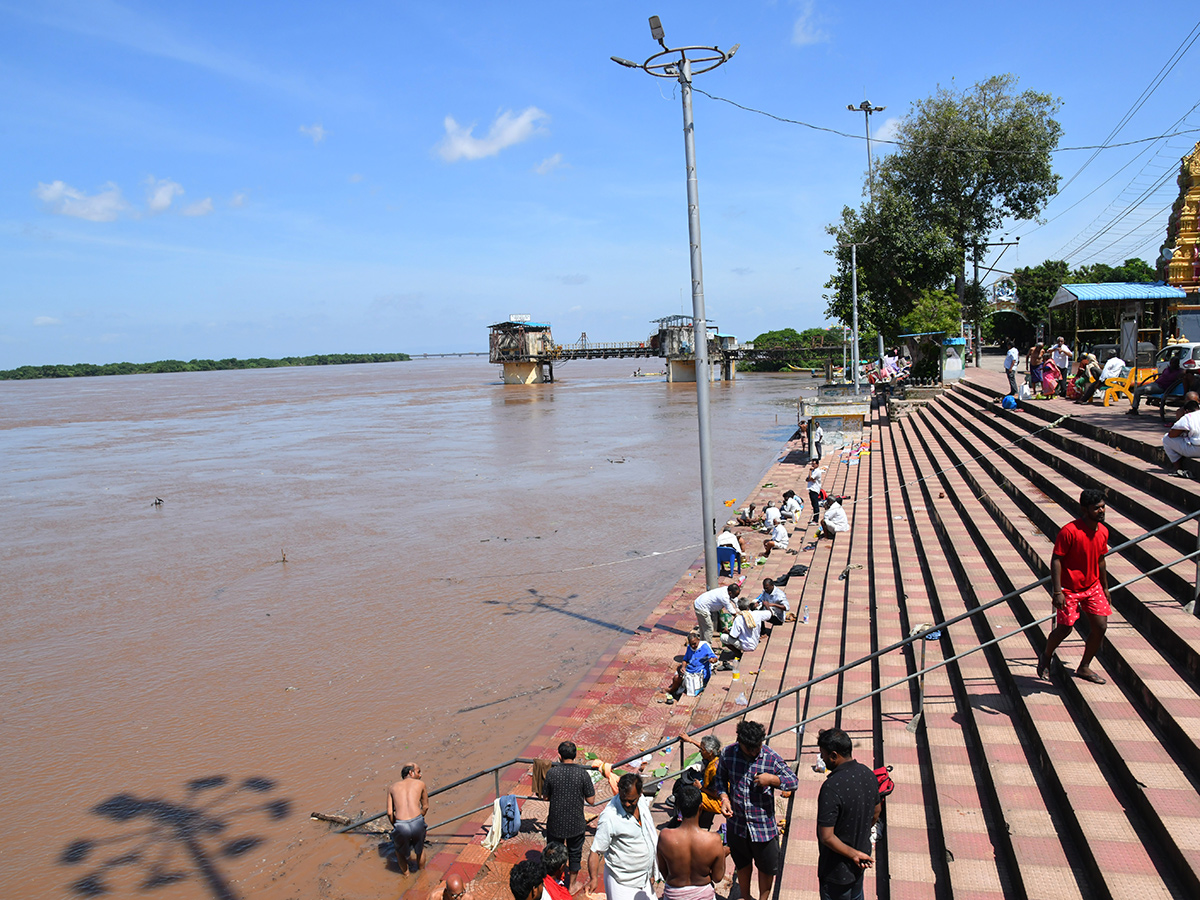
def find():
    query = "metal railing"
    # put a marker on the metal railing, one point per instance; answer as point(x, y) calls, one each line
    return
point(917, 634)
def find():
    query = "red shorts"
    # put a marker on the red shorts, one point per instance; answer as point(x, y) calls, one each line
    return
point(1091, 601)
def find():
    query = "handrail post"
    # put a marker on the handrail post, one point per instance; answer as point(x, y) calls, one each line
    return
point(1196, 586)
point(497, 774)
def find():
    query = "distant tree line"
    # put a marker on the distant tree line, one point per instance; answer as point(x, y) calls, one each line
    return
point(79, 370)
point(800, 343)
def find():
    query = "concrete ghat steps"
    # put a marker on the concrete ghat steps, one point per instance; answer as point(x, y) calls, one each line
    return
point(915, 856)
point(1133, 454)
point(1165, 633)
point(1087, 463)
point(842, 635)
point(1127, 750)
point(1048, 774)
point(1156, 615)
point(979, 794)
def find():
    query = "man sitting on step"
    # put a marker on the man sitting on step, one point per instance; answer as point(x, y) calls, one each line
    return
point(746, 630)
point(834, 520)
point(1183, 440)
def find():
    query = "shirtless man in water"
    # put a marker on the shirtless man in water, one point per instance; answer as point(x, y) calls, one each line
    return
point(691, 860)
point(407, 803)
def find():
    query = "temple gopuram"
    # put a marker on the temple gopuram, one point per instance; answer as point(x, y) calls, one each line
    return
point(1181, 252)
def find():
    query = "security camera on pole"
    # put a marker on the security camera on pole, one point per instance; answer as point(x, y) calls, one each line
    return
point(682, 63)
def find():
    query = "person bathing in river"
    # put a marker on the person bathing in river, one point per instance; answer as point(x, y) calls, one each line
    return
point(407, 804)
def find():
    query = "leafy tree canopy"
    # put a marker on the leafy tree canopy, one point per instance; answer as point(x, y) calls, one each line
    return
point(934, 311)
point(967, 161)
point(899, 258)
point(970, 160)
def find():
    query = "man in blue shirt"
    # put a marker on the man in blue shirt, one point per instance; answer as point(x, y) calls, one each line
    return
point(746, 778)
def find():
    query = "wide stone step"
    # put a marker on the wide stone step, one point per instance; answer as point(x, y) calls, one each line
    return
point(1069, 778)
point(1130, 748)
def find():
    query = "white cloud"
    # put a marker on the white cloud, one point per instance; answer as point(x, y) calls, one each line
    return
point(807, 29)
point(317, 132)
point(506, 131)
point(888, 131)
point(42, 321)
point(549, 164)
point(160, 192)
point(199, 208)
point(355, 178)
point(238, 200)
point(64, 200)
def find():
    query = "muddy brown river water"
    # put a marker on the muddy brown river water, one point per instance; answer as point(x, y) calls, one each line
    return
point(176, 698)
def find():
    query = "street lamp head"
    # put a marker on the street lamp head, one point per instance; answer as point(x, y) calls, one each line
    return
point(624, 62)
point(732, 50)
point(656, 29)
point(878, 108)
point(851, 108)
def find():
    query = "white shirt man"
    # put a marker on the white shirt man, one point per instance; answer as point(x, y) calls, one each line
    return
point(1183, 440)
point(629, 849)
point(1112, 369)
point(728, 539)
point(775, 595)
point(772, 515)
point(1011, 359)
point(746, 630)
point(779, 536)
point(835, 519)
point(792, 507)
point(709, 604)
point(1061, 354)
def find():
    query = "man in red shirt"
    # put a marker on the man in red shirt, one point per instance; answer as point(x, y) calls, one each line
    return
point(1079, 580)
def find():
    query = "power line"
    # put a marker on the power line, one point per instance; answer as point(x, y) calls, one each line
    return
point(876, 140)
point(1155, 82)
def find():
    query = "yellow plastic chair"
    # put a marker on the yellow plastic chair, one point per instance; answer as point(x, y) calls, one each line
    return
point(1116, 388)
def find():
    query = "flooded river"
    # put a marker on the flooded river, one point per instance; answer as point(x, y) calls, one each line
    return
point(176, 697)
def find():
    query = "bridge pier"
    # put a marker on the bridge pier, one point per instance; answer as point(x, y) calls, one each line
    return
point(684, 370)
point(728, 367)
point(528, 373)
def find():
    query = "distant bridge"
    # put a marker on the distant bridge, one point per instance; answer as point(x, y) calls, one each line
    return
point(528, 351)
point(433, 355)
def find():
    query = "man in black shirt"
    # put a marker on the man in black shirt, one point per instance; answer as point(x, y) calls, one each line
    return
point(847, 807)
point(568, 786)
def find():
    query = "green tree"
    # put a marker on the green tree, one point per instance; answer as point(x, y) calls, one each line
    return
point(899, 259)
point(970, 160)
point(934, 311)
point(967, 162)
point(1037, 285)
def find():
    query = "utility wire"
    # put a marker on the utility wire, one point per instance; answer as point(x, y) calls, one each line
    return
point(875, 140)
point(1037, 225)
point(1155, 82)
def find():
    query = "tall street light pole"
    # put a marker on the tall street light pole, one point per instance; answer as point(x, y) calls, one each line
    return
point(682, 63)
point(866, 109)
point(854, 282)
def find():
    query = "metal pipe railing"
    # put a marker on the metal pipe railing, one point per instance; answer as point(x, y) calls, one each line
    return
point(776, 698)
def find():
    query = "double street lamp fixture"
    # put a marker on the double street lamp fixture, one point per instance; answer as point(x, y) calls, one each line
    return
point(866, 109)
point(682, 63)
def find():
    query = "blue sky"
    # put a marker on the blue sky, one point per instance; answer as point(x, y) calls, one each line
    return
point(262, 179)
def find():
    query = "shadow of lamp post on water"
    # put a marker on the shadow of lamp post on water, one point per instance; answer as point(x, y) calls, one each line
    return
point(172, 840)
